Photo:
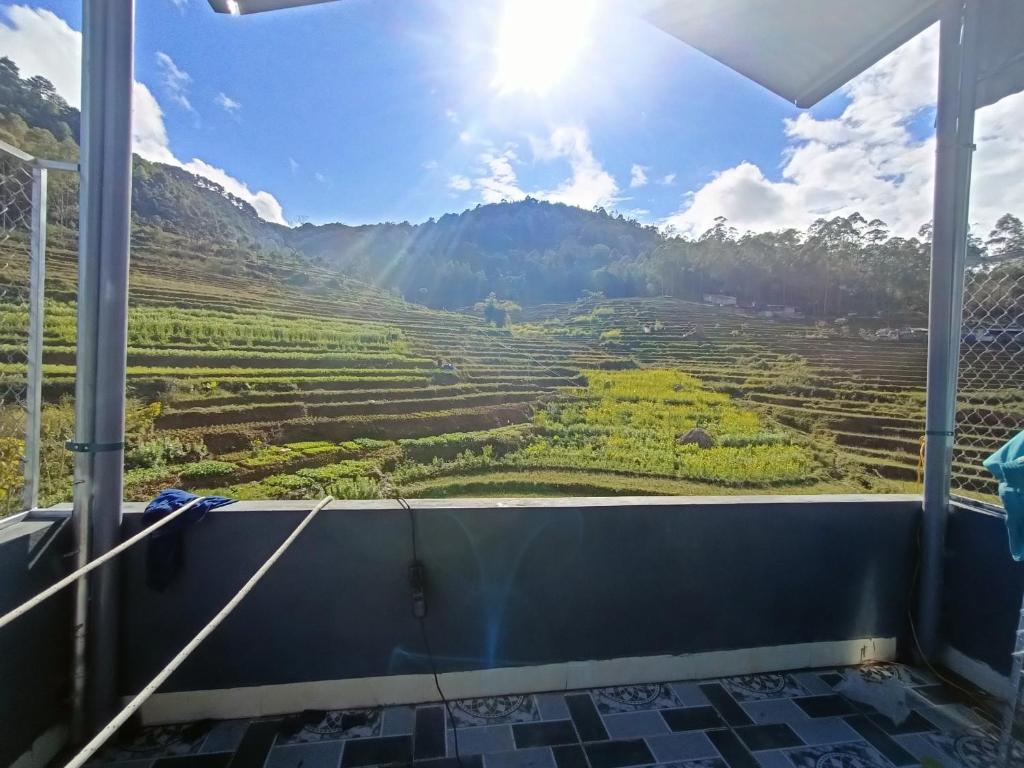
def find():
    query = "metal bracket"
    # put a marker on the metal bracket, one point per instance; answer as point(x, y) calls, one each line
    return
point(71, 445)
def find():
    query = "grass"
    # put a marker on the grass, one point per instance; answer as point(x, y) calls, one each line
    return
point(330, 390)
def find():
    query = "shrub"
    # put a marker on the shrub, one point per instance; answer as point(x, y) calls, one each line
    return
point(201, 470)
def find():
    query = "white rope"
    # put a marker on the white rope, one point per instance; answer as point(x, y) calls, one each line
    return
point(52, 590)
point(89, 749)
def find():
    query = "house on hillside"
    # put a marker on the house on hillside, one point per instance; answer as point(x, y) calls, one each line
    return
point(781, 310)
point(719, 300)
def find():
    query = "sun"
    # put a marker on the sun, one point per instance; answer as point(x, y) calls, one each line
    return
point(539, 42)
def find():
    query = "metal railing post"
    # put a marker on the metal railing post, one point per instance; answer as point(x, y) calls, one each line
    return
point(34, 374)
point(108, 36)
point(954, 136)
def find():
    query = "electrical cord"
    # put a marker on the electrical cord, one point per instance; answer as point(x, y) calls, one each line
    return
point(417, 581)
point(973, 696)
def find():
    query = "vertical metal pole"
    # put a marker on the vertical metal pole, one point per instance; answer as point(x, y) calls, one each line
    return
point(954, 135)
point(105, 208)
point(34, 377)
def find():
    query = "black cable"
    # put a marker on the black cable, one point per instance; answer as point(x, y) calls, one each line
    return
point(422, 621)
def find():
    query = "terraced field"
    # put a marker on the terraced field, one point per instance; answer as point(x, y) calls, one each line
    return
point(269, 382)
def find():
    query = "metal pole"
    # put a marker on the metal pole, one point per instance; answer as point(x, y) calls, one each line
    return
point(105, 208)
point(954, 134)
point(34, 376)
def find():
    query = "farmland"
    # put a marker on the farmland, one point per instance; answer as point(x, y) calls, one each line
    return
point(258, 388)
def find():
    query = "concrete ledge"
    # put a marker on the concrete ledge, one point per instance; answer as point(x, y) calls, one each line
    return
point(257, 701)
point(131, 508)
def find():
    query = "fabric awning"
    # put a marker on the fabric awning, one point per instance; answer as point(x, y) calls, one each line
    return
point(802, 50)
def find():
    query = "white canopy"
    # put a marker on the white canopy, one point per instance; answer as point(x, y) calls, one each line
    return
point(804, 50)
point(800, 49)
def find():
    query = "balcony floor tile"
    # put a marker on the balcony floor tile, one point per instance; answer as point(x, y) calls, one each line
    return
point(798, 719)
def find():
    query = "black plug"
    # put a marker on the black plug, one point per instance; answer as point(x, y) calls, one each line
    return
point(418, 587)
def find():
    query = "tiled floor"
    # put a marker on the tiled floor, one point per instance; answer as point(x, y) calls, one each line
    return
point(784, 720)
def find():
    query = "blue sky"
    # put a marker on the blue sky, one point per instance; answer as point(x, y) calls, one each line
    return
point(370, 110)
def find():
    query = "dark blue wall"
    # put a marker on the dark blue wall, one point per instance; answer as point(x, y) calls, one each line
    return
point(35, 650)
point(527, 583)
point(982, 588)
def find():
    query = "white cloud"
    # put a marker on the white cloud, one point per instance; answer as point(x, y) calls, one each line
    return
point(430, 165)
point(869, 159)
point(42, 43)
point(668, 180)
point(266, 205)
point(322, 178)
point(500, 181)
point(149, 135)
point(226, 103)
point(590, 184)
point(176, 80)
point(293, 164)
point(452, 115)
point(179, 4)
point(637, 176)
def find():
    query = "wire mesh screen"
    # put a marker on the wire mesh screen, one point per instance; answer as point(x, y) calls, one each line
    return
point(58, 423)
point(991, 385)
point(15, 235)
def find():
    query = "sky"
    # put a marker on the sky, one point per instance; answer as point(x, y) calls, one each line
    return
point(400, 110)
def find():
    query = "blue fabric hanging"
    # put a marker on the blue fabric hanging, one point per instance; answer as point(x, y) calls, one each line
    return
point(1007, 465)
point(165, 548)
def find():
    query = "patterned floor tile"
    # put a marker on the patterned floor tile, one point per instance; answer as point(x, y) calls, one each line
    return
point(588, 722)
point(689, 694)
point(325, 754)
point(777, 720)
point(157, 741)
point(225, 736)
point(627, 725)
point(482, 739)
point(760, 687)
point(379, 751)
point(492, 710)
point(825, 730)
point(536, 757)
point(882, 671)
point(973, 749)
point(680, 747)
point(570, 756)
point(629, 698)
point(618, 754)
point(544, 734)
point(837, 756)
point(330, 725)
point(551, 706)
point(775, 711)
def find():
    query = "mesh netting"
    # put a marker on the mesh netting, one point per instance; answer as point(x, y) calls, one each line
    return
point(990, 403)
point(15, 233)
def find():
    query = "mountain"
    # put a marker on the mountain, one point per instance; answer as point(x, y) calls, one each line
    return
point(529, 251)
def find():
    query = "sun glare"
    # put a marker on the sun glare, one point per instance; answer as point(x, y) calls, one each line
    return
point(539, 41)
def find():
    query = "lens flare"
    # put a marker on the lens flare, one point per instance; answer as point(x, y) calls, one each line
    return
point(539, 42)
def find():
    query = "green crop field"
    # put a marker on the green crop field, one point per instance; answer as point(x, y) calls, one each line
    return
point(265, 389)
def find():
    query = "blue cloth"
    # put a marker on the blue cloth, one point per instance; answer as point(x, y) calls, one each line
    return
point(1007, 465)
point(165, 549)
